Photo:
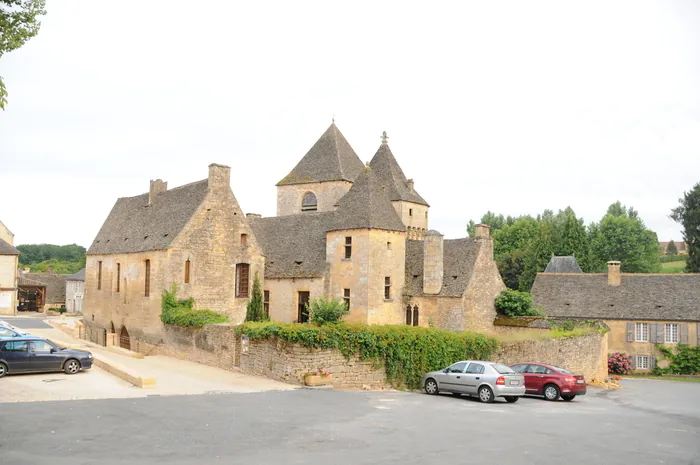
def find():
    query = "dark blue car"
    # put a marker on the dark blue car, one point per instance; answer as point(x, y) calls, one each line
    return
point(37, 354)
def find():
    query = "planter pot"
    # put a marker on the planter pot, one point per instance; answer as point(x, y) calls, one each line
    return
point(317, 380)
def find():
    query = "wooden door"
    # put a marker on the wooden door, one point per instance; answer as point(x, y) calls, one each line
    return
point(124, 340)
point(303, 309)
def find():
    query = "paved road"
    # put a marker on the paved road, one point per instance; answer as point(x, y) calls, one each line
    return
point(25, 323)
point(336, 427)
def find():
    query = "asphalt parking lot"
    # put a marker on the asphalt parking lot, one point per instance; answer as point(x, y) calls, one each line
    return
point(648, 422)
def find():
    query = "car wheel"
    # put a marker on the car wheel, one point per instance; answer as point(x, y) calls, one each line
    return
point(3, 370)
point(551, 392)
point(568, 398)
point(512, 399)
point(485, 394)
point(71, 366)
point(431, 387)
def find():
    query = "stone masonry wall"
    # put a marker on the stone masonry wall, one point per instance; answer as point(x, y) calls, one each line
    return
point(327, 194)
point(586, 355)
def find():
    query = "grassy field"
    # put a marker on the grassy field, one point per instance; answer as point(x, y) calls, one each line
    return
point(673, 267)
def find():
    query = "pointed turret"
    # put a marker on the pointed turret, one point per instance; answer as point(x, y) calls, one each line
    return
point(391, 175)
point(330, 159)
point(367, 206)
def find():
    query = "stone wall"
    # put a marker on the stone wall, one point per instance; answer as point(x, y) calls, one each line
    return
point(288, 363)
point(586, 355)
point(327, 194)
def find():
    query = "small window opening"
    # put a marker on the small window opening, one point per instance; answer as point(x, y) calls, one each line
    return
point(119, 273)
point(388, 246)
point(309, 203)
point(187, 271)
point(244, 240)
point(348, 248)
point(410, 212)
point(346, 298)
point(387, 288)
point(242, 279)
point(266, 304)
point(99, 276)
point(147, 281)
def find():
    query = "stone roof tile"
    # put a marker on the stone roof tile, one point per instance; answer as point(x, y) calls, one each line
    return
point(459, 258)
point(567, 264)
point(7, 249)
point(390, 174)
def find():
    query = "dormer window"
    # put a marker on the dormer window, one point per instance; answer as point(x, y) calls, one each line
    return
point(309, 203)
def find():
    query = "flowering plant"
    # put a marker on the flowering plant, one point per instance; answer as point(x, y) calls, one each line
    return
point(615, 378)
point(619, 363)
point(318, 372)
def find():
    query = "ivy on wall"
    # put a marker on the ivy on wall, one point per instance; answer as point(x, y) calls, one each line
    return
point(181, 312)
point(407, 352)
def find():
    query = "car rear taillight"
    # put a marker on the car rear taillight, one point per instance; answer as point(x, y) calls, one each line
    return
point(501, 381)
point(570, 379)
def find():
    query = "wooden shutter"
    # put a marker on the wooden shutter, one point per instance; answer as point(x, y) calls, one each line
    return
point(697, 332)
point(652, 332)
point(683, 333)
point(634, 361)
point(630, 332)
point(652, 362)
point(660, 328)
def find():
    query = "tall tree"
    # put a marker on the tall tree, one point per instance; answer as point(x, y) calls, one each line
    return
point(18, 24)
point(687, 213)
point(570, 237)
point(671, 249)
point(538, 254)
point(256, 309)
point(622, 235)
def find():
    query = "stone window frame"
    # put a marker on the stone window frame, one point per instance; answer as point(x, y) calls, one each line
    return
point(410, 212)
point(242, 291)
point(188, 271)
point(119, 277)
point(346, 298)
point(641, 332)
point(266, 302)
point(309, 207)
point(348, 248)
point(387, 288)
point(244, 240)
point(99, 275)
point(147, 279)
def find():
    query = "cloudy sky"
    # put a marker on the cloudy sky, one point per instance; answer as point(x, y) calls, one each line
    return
point(512, 107)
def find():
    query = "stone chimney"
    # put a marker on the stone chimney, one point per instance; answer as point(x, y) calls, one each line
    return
point(157, 187)
point(483, 230)
point(432, 262)
point(219, 176)
point(614, 275)
point(409, 183)
point(253, 215)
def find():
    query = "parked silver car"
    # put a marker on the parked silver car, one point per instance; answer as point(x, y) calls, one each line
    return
point(487, 380)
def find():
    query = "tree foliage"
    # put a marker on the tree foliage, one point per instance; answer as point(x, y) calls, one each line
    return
point(62, 259)
point(671, 249)
point(18, 24)
point(256, 309)
point(182, 313)
point(524, 245)
point(516, 303)
point(687, 213)
point(324, 310)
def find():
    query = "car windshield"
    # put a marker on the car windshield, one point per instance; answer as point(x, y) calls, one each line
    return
point(502, 369)
point(58, 346)
point(561, 370)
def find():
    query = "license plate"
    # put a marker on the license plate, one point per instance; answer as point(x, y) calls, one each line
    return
point(579, 381)
point(514, 381)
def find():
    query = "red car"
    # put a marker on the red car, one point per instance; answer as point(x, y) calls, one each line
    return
point(550, 382)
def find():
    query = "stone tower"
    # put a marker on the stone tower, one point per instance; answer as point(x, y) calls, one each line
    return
point(409, 205)
point(321, 178)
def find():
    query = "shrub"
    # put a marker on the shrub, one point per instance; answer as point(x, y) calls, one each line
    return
point(323, 311)
point(516, 303)
point(619, 363)
point(407, 352)
point(181, 312)
point(684, 361)
point(256, 309)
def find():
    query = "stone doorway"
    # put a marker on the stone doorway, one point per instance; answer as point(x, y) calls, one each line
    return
point(303, 309)
point(124, 340)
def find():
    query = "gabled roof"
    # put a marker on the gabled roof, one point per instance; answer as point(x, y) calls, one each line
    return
point(669, 297)
point(330, 159)
point(294, 245)
point(7, 249)
point(78, 276)
point(390, 174)
point(55, 285)
point(459, 258)
point(135, 226)
point(367, 205)
point(567, 264)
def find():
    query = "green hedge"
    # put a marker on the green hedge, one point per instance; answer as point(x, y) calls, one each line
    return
point(673, 258)
point(181, 312)
point(407, 351)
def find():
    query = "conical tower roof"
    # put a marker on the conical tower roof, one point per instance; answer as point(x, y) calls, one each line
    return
point(366, 205)
point(390, 174)
point(330, 159)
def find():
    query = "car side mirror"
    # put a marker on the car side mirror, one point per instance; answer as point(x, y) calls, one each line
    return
point(53, 350)
point(446, 370)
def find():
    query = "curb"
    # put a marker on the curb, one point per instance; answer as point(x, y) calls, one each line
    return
point(119, 372)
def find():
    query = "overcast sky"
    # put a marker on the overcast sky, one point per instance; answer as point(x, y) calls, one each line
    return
point(512, 107)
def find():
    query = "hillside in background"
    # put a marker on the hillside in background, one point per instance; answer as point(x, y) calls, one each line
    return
point(62, 259)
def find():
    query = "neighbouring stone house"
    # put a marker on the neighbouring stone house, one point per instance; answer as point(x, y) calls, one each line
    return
point(344, 230)
point(75, 291)
point(681, 247)
point(41, 291)
point(194, 236)
point(9, 262)
point(642, 310)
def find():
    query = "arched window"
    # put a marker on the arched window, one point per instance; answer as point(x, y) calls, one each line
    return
point(309, 203)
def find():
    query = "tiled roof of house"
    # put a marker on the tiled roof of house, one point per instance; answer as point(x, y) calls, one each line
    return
point(390, 174)
point(55, 285)
point(135, 226)
point(295, 245)
point(330, 159)
point(668, 297)
point(459, 258)
point(367, 205)
point(78, 276)
point(7, 249)
point(566, 264)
